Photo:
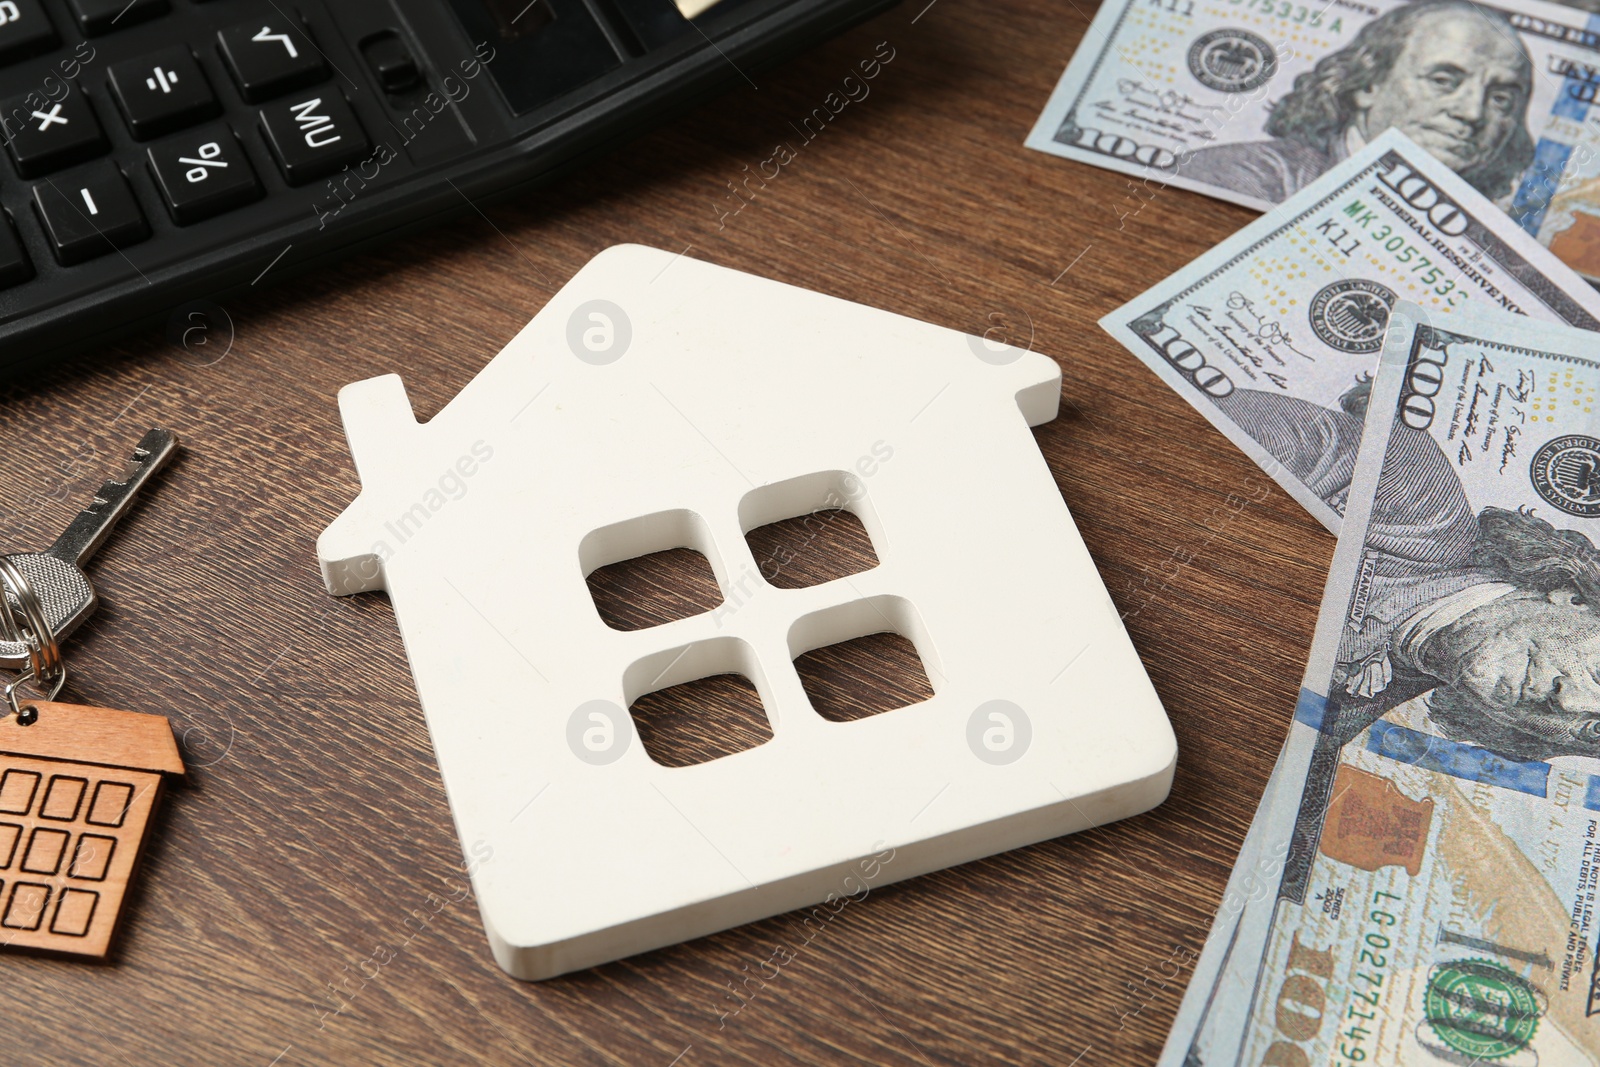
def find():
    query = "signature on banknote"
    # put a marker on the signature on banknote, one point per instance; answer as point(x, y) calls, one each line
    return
point(1268, 333)
point(1166, 109)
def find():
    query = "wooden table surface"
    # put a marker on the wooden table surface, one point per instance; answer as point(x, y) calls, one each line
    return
point(302, 901)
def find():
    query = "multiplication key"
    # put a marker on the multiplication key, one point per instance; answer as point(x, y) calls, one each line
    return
point(56, 574)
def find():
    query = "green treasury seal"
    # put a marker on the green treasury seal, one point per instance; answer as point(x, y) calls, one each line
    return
point(1481, 1009)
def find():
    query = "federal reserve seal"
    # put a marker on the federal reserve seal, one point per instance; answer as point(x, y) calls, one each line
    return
point(1482, 1010)
point(1350, 315)
point(1566, 472)
point(1232, 61)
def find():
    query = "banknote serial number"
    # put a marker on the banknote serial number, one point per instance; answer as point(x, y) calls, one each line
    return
point(1296, 13)
point(1373, 946)
point(1404, 252)
point(1414, 198)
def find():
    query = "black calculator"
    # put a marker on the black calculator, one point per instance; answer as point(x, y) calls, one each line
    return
point(163, 152)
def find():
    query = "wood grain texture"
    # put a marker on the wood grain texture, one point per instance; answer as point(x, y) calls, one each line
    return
point(305, 902)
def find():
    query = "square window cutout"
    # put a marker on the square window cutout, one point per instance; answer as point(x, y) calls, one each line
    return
point(699, 703)
point(810, 530)
point(651, 570)
point(862, 659)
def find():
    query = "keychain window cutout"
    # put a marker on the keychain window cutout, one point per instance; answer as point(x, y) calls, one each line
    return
point(75, 914)
point(16, 791)
point(110, 804)
point(699, 721)
point(26, 906)
point(93, 857)
point(45, 851)
point(62, 800)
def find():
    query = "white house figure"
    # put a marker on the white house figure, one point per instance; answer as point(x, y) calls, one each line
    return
point(660, 402)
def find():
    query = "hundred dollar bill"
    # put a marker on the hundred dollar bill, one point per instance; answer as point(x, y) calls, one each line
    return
point(1436, 807)
point(1252, 100)
point(1265, 333)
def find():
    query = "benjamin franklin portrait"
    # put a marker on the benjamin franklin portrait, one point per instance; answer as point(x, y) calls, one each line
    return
point(1493, 616)
point(1452, 76)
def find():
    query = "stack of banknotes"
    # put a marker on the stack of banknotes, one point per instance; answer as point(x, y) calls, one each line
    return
point(1405, 341)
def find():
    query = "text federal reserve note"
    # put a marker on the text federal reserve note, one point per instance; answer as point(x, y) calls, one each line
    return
point(1436, 807)
point(1252, 100)
point(1268, 331)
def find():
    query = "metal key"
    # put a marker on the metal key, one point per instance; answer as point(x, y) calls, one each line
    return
point(56, 574)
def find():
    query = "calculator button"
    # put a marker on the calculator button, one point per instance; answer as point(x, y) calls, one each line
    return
point(162, 92)
point(14, 265)
point(203, 173)
point(313, 135)
point(89, 214)
point(45, 135)
point(397, 69)
point(270, 57)
point(103, 16)
point(26, 32)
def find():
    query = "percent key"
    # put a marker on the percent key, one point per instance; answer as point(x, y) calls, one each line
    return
point(203, 173)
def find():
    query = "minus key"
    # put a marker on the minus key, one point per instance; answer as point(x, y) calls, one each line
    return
point(89, 213)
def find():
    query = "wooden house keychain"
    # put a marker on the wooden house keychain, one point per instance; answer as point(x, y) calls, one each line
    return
point(78, 784)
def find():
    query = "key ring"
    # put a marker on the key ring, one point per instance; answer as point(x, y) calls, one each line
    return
point(47, 671)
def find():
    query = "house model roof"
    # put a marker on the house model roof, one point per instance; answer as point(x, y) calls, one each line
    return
point(657, 402)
